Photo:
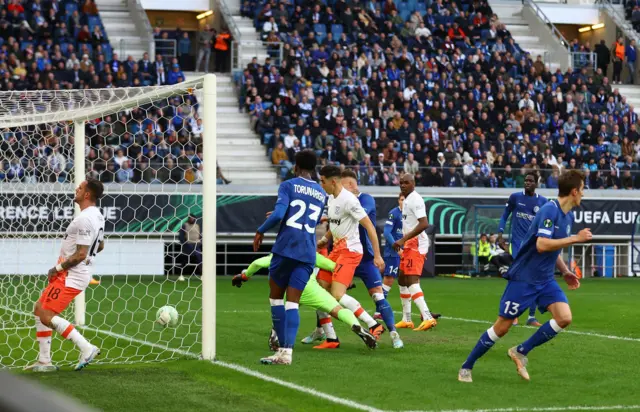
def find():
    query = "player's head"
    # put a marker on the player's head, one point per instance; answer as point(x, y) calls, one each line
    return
point(350, 181)
point(331, 178)
point(530, 182)
point(306, 161)
point(89, 191)
point(407, 184)
point(400, 200)
point(571, 184)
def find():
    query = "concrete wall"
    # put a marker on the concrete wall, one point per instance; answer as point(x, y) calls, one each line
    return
point(559, 53)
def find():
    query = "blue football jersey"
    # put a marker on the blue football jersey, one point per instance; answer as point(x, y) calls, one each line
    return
point(368, 203)
point(304, 200)
point(530, 265)
point(522, 209)
point(393, 224)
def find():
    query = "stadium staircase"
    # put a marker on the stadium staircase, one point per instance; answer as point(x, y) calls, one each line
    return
point(121, 29)
point(616, 13)
point(249, 44)
point(509, 12)
point(240, 154)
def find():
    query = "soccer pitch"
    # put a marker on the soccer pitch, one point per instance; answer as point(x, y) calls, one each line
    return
point(592, 366)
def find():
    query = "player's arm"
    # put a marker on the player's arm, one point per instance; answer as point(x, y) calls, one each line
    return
point(78, 256)
point(422, 225)
point(388, 230)
point(325, 263)
point(255, 266)
point(101, 246)
point(375, 243)
point(505, 215)
point(546, 228)
point(322, 243)
point(274, 218)
point(569, 277)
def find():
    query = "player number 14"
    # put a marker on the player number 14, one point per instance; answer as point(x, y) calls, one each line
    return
point(511, 308)
point(313, 216)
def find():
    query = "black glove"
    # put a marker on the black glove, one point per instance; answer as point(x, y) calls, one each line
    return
point(238, 280)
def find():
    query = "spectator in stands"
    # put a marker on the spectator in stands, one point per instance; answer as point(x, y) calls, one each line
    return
point(222, 50)
point(618, 55)
point(631, 55)
point(205, 45)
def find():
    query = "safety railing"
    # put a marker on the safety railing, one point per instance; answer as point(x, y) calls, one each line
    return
point(586, 60)
point(244, 50)
point(619, 18)
point(602, 260)
point(228, 18)
point(562, 50)
point(167, 48)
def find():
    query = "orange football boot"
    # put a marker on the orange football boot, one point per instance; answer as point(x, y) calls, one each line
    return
point(328, 345)
point(427, 324)
point(404, 325)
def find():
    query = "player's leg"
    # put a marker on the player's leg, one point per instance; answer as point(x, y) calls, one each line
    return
point(342, 278)
point(411, 267)
point(388, 278)
point(314, 296)
point(55, 299)
point(278, 280)
point(516, 298)
point(550, 297)
point(405, 298)
point(531, 320)
point(323, 279)
point(43, 336)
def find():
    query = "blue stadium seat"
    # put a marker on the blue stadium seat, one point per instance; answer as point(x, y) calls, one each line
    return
point(25, 44)
point(404, 13)
point(320, 28)
point(336, 31)
point(70, 8)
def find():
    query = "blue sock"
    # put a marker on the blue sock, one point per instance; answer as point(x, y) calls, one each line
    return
point(277, 317)
point(532, 311)
point(292, 323)
point(383, 307)
point(486, 342)
point(544, 334)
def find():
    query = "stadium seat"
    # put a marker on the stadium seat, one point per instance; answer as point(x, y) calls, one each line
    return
point(70, 7)
point(336, 31)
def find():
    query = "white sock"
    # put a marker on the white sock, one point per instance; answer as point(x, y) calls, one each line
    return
point(386, 288)
point(66, 329)
point(405, 297)
point(43, 335)
point(327, 325)
point(418, 299)
point(492, 334)
point(355, 307)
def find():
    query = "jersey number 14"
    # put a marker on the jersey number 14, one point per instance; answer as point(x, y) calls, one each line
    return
point(314, 213)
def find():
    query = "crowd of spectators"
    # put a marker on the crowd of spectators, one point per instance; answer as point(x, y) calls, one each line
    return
point(437, 88)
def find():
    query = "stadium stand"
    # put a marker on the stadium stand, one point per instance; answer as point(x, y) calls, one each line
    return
point(436, 86)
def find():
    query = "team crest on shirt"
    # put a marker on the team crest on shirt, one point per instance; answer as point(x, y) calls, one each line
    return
point(568, 230)
point(337, 210)
point(535, 209)
point(548, 223)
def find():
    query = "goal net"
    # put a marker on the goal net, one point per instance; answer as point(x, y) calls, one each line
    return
point(147, 145)
point(480, 219)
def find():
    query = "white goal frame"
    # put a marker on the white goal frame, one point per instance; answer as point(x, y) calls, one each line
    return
point(114, 100)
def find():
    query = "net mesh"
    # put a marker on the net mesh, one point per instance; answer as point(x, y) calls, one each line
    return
point(480, 219)
point(145, 145)
point(635, 249)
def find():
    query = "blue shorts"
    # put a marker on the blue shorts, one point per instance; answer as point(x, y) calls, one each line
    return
point(520, 296)
point(289, 272)
point(369, 273)
point(391, 265)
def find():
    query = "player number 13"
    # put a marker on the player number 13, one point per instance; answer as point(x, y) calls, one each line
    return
point(313, 216)
point(511, 308)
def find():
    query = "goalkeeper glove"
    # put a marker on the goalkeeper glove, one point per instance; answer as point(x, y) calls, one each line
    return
point(238, 280)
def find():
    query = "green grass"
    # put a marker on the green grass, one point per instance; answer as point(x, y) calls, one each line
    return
point(572, 370)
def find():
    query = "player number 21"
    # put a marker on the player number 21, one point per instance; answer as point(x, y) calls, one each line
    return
point(313, 216)
point(511, 308)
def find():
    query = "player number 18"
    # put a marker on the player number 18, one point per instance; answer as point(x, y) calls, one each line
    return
point(511, 308)
point(313, 216)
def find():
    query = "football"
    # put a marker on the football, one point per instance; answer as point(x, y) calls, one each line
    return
point(167, 316)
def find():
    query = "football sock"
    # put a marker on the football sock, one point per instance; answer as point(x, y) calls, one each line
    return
point(277, 317)
point(327, 325)
point(383, 307)
point(43, 335)
point(66, 329)
point(346, 316)
point(418, 298)
point(318, 326)
point(386, 289)
point(353, 305)
point(292, 323)
point(405, 297)
point(532, 311)
point(544, 334)
point(486, 342)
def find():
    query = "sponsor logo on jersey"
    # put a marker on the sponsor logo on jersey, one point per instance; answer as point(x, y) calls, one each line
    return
point(523, 215)
point(335, 221)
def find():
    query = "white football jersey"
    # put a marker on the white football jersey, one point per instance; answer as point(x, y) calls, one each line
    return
point(413, 209)
point(345, 213)
point(86, 229)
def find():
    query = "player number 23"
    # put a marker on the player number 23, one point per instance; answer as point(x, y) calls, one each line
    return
point(511, 308)
point(313, 215)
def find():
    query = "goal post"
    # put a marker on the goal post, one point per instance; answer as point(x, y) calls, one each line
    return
point(145, 260)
